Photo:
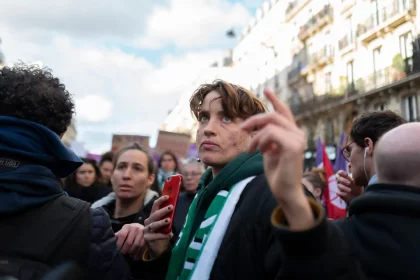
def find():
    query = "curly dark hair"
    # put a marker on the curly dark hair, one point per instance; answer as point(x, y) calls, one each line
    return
point(34, 94)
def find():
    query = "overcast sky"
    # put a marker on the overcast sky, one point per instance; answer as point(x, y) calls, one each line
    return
point(126, 62)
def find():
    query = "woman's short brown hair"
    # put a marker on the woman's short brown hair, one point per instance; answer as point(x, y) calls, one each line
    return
point(237, 102)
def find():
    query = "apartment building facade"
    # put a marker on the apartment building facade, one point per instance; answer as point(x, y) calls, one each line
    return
point(349, 57)
point(260, 54)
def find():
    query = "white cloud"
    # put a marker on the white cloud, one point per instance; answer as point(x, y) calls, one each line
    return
point(77, 18)
point(177, 72)
point(192, 23)
point(93, 108)
point(115, 91)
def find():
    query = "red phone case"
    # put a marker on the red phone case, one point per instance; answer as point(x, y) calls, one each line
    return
point(171, 188)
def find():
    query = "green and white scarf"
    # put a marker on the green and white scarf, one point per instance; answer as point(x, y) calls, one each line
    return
point(193, 256)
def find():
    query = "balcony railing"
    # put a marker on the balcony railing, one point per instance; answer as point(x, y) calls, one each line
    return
point(346, 5)
point(389, 15)
point(294, 74)
point(344, 42)
point(379, 78)
point(322, 56)
point(293, 7)
point(316, 22)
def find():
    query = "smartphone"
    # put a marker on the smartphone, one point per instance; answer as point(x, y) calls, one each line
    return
point(171, 188)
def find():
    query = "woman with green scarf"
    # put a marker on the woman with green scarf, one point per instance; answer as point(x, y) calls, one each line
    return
point(227, 233)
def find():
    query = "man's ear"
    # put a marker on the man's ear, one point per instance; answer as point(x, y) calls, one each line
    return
point(369, 146)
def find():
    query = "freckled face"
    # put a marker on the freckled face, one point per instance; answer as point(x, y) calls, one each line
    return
point(219, 137)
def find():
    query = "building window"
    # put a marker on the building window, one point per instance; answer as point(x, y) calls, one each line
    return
point(380, 107)
point(377, 59)
point(277, 82)
point(350, 74)
point(328, 86)
point(349, 26)
point(410, 108)
point(375, 12)
point(406, 46)
point(329, 132)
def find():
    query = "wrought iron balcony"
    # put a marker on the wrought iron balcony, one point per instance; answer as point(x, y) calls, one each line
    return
point(316, 23)
point(378, 79)
point(294, 7)
point(345, 42)
point(294, 75)
point(387, 18)
point(322, 57)
point(346, 5)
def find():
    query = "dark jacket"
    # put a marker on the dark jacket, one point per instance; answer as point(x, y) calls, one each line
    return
point(88, 194)
point(249, 249)
point(108, 204)
point(379, 239)
point(182, 207)
point(66, 230)
point(105, 260)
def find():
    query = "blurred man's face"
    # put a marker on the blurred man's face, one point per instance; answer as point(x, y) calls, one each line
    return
point(356, 163)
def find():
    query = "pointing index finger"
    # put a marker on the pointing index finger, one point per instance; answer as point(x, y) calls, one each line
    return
point(278, 105)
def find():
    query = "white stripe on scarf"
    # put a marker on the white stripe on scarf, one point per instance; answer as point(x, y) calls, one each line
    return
point(211, 248)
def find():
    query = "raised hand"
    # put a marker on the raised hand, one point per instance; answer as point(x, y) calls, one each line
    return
point(282, 144)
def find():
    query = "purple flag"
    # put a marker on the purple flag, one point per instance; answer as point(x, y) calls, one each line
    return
point(192, 151)
point(340, 162)
point(319, 152)
point(94, 157)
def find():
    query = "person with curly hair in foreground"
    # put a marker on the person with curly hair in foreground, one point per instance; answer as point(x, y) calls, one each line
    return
point(35, 111)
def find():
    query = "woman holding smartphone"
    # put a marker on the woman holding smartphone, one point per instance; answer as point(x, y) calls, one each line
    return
point(131, 200)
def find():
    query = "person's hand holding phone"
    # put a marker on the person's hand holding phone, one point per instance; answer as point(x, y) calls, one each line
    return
point(157, 242)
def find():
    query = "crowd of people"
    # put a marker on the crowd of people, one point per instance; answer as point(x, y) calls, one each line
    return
point(246, 211)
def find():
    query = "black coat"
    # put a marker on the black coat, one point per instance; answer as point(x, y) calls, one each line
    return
point(65, 230)
point(108, 204)
point(183, 205)
point(88, 194)
point(105, 260)
point(139, 217)
point(379, 239)
point(249, 249)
